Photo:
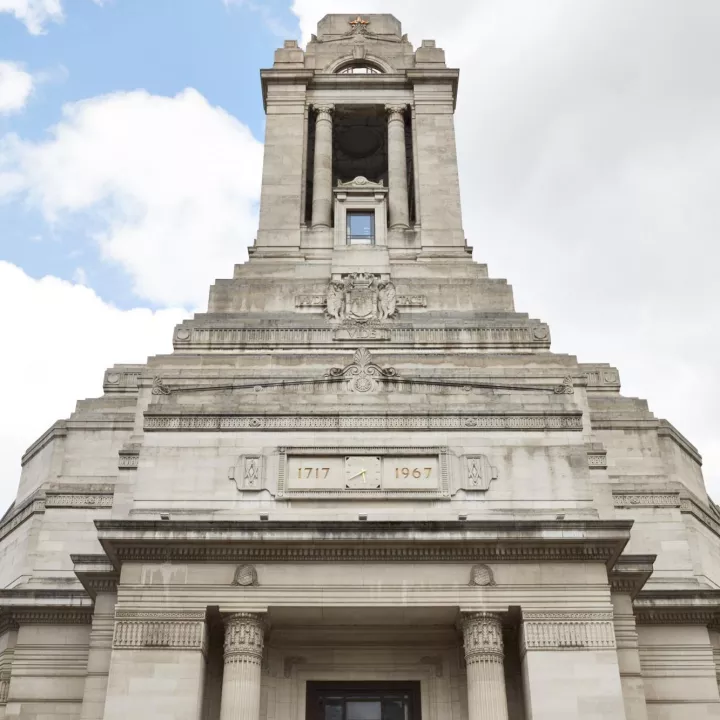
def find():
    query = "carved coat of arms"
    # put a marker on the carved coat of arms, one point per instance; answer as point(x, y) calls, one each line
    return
point(360, 298)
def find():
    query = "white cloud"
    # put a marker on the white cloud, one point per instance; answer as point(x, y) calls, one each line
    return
point(590, 162)
point(35, 14)
point(64, 338)
point(170, 186)
point(16, 85)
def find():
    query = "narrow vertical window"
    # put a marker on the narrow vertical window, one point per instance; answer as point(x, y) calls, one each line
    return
point(360, 228)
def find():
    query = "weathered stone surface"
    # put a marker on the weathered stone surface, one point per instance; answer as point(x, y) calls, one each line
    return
point(358, 461)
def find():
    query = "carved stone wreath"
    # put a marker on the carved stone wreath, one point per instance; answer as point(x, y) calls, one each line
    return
point(362, 375)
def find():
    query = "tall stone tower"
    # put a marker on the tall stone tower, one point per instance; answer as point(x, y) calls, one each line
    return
point(361, 487)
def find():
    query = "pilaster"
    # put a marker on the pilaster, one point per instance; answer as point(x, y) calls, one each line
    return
point(570, 666)
point(158, 665)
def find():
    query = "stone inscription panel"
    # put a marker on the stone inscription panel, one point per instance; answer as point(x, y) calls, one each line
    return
point(333, 472)
point(363, 472)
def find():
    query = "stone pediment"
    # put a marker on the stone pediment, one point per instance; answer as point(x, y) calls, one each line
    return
point(361, 183)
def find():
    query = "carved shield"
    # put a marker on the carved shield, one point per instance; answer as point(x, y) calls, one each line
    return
point(362, 303)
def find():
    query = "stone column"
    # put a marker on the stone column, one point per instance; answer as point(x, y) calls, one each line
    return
point(397, 168)
point(487, 700)
point(322, 171)
point(244, 635)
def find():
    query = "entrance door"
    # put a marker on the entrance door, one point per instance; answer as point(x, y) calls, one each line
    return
point(363, 701)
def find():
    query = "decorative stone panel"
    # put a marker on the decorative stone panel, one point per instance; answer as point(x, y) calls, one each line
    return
point(146, 630)
point(249, 473)
point(129, 457)
point(427, 477)
point(645, 499)
point(79, 496)
point(570, 421)
point(568, 631)
point(478, 473)
point(487, 336)
point(122, 379)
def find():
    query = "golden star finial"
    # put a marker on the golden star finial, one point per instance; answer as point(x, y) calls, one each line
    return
point(359, 21)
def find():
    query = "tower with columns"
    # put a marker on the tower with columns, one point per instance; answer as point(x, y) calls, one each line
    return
point(361, 487)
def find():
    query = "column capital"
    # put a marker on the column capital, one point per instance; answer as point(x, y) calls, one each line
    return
point(482, 633)
point(325, 109)
point(244, 637)
point(395, 111)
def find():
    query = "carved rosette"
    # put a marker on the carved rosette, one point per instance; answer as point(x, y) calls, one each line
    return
point(482, 633)
point(244, 638)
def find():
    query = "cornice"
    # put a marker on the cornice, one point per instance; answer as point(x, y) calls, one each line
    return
point(667, 429)
point(96, 573)
point(46, 607)
point(56, 431)
point(362, 541)
point(630, 573)
point(33, 505)
point(677, 607)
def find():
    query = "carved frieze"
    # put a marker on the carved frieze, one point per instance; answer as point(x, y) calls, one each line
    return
point(568, 631)
point(79, 496)
point(129, 457)
point(597, 459)
point(646, 499)
point(489, 336)
point(153, 630)
point(541, 422)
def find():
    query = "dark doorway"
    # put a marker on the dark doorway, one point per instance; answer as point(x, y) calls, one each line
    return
point(363, 701)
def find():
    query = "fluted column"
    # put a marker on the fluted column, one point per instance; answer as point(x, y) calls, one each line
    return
point(397, 168)
point(322, 169)
point(487, 700)
point(244, 636)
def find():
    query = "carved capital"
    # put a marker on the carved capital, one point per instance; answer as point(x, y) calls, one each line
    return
point(482, 633)
point(395, 112)
point(244, 638)
point(324, 112)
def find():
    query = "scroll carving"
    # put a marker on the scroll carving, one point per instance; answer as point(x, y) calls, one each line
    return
point(362, 375)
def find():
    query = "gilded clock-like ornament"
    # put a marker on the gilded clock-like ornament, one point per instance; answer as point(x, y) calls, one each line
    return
point(363, 472)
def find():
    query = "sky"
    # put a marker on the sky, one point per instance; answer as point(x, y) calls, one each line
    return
point(131, 152)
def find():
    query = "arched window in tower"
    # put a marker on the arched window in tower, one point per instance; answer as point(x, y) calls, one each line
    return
point(363, 68)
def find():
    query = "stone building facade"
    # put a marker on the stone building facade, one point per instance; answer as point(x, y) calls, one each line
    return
point(362, 487)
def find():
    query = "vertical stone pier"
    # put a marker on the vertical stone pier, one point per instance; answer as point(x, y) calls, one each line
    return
point(482, 634)
point(244, 638)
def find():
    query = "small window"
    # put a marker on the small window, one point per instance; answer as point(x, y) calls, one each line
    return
point(360, 228)
point(359, 69)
